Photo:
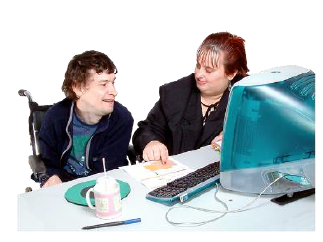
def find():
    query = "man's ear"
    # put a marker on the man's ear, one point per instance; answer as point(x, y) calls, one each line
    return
point(231, 76)
point(77, 89)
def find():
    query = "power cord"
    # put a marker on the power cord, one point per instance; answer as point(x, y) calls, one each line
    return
point(193, 224)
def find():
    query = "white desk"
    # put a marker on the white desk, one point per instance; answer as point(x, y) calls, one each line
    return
point(47, 209)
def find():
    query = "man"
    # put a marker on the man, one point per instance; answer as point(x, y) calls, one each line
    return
point(88, 125)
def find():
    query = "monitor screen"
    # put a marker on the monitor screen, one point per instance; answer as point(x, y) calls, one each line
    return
point(269, 132)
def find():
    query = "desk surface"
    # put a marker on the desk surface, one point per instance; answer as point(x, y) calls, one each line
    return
point(47, 209)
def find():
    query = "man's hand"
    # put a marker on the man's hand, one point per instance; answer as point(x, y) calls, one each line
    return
point(53, 180)
point(155, 151)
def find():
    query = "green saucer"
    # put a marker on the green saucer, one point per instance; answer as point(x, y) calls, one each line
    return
point(76, 193)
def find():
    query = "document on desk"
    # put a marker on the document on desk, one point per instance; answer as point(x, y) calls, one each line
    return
point(154, 174)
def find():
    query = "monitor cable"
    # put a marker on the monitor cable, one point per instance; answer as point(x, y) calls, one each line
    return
point(226, 211)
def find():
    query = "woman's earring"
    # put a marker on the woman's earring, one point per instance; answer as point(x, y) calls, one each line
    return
point(229, 86)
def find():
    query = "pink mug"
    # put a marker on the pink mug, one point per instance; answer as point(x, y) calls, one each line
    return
point(107, 198)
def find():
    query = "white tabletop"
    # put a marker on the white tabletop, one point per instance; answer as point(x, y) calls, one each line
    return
point(47, 209)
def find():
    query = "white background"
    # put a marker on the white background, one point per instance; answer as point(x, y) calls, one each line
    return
point(150, 42)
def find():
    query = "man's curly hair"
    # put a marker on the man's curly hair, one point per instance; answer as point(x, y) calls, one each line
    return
point(78, 70)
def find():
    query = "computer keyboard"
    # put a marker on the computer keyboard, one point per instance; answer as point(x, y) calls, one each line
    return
point(187, 186)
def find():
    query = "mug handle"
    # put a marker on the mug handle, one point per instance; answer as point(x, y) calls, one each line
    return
point(88, 201)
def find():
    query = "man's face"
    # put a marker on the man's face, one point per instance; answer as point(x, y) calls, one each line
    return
point(98, 95)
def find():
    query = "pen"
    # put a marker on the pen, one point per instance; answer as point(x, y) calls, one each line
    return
point(130, 221)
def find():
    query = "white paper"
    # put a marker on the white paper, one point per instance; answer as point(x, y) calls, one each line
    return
point(153, 174)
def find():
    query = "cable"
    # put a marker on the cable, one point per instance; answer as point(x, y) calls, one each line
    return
point(192, 224)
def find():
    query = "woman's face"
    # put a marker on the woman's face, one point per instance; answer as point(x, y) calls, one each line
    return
point(211, 79)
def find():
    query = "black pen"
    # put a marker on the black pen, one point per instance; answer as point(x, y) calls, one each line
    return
point(130, 221)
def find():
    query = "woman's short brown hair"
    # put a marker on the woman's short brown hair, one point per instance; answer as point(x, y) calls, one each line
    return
point(232, 46)
point(78, 70)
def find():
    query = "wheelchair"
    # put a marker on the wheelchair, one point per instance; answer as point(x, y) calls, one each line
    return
point(36, 116)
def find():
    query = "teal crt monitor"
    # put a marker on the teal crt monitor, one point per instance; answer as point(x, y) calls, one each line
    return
point(269, 132)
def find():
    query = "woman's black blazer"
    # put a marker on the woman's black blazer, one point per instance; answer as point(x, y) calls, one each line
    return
point(176, 119)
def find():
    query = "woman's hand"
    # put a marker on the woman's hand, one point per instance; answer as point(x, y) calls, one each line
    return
point(218, 138)
point(154, 151)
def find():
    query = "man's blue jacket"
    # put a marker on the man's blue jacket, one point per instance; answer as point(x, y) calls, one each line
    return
point(110, 141)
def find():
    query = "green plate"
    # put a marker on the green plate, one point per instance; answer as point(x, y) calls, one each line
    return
point(76, 193)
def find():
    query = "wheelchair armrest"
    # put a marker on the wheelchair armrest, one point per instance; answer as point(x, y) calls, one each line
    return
point(37, 166)
point(133, 155)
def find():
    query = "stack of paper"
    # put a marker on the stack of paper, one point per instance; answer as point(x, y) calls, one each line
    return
point(154, 174)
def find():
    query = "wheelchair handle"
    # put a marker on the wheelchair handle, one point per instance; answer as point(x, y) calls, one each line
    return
point(21, 92)
point(25, 93)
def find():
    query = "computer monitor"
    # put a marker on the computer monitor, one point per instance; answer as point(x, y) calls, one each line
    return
point(269, 132)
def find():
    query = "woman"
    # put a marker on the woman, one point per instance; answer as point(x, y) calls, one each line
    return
point(190, 111)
